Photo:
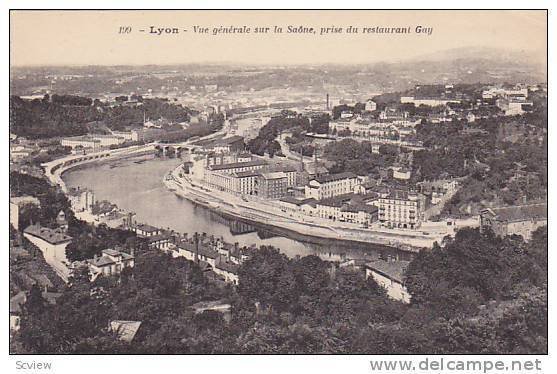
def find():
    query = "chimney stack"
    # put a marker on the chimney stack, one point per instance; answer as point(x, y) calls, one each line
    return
point(196, 243)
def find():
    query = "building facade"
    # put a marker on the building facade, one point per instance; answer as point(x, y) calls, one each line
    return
point(272, 185)
point(401, 209)
point(52, 243)
point(327, 186)
point(520, 220)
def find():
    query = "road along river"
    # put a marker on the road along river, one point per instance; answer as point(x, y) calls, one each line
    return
point(135, 185)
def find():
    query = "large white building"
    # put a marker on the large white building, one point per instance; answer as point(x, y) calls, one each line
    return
point(401, 209)
point(238, 182)
point(238, 177)
point(512, 106)
point(374, 130)
point(81, 141)
point(92, 141)
point(52, 243)
point(331, 185)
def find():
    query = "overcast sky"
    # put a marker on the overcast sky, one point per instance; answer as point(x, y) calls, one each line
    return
point(91, 37)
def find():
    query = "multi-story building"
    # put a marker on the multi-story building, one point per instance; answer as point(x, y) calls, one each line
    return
point(92, 141)
point(520, 220)
point(291, 174)
point(239, 182)
point(237, 177)
point(272, 185)
point(401, 209)
point(331, 185)
point(214, 158)
point(239, 166)
point(81, 141)
point(81, 199)
point(512, 106)
point(373, 130)
point(345, 208)
point(52, 243)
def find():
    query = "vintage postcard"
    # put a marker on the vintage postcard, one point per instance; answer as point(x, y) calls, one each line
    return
point(279, 182)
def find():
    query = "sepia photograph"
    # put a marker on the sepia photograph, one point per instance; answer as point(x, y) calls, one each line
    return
point(279, 182)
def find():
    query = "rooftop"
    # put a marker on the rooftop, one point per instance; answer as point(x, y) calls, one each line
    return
point(335, 177)
point(125, 330)
point(147, 228)
point(237, 165)
point(338, 200)
point(82, 138)
point(274, 175)
point(52, 236)
point(393, 270)
point(355, 208)
point(400, 194)
point(105, 260)
point(227, 266)
point(216, 305)
point(226, 141)
point(20, 200)
point(299, 202)
point(247, 173)
point(159, 237)
point(521, 212)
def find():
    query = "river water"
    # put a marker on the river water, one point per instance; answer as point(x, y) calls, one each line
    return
point(135, 185)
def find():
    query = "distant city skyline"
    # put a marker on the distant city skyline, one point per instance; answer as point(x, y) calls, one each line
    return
point(91, 37)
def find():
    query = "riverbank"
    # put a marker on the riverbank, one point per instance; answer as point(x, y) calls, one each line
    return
point(266, 213)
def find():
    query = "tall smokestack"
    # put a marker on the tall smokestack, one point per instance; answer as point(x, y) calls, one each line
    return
point(328, 102)
point(196, 243)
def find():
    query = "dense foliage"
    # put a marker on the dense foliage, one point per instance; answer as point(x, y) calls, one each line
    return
point(478, 294)
point(70, 115)
point(265, 142)
point(358, 157)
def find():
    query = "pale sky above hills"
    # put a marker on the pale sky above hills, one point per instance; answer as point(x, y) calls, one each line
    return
point(91, 37)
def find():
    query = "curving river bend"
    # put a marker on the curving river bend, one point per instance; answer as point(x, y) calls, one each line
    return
point(135, 185)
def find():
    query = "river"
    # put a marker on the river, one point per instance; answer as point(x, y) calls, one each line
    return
point(135, 185)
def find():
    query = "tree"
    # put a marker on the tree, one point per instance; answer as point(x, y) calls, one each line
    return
point(35, 304)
